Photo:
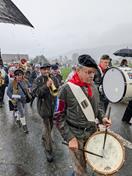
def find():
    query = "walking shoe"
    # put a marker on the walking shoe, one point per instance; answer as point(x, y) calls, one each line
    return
point(25, 129)
point(42, 138)
point(129, 123)
point(49, 156)
point(18, 122)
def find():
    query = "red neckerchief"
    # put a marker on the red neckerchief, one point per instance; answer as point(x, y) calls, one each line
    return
point(103, 70)
point(76, 80)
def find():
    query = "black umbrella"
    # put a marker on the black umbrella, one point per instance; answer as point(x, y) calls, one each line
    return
point(9, 13)
point(126, 52)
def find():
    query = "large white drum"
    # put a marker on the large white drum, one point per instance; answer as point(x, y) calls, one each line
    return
point(113, 155)
point(117, 84)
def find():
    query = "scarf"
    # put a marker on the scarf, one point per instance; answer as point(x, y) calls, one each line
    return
point(103, 70)
point(76, 80)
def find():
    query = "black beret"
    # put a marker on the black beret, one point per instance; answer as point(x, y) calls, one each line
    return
point(46, 65)
point(54, 67)
point(18, 72)
point(87, 61)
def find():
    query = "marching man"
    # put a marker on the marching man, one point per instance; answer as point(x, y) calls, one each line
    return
point(74, 124)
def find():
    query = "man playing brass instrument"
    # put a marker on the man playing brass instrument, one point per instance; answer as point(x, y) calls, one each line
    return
point(45, 89)
point(2, 81)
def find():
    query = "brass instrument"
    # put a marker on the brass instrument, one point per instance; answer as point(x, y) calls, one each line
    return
point(23, 64)
point(53, 89)
point(2, 81)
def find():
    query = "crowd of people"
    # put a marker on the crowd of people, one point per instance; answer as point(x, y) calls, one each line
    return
point(57, 99)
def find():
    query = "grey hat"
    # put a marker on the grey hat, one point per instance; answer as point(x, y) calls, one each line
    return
point(37, 66)
point(87, 61)
point(46, 65)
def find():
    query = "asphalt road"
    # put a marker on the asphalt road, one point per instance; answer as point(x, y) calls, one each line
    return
point(23, 155)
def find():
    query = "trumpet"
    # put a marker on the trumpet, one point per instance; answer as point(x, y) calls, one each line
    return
point(53, 89)
point(2, 81)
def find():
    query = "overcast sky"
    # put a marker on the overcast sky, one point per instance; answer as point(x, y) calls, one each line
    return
point(64, 25)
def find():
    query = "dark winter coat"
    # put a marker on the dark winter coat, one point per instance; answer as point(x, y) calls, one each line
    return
point(45, 101)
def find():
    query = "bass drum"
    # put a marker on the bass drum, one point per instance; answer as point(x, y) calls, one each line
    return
point(117, 84)
point(113, 155)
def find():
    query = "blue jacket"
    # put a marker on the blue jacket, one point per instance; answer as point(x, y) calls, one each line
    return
point(14, 88)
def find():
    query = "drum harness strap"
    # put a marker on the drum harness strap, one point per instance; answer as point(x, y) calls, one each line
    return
point(84, 103)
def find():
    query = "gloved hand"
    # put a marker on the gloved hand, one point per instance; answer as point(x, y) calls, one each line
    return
point(100, 88)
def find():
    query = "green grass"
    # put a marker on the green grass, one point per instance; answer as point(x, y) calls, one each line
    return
point(65, 71)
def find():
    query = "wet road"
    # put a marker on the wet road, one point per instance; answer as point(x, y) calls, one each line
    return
point(23, 155)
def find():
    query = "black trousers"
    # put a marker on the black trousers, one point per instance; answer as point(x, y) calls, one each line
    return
point(104, 102)
point(128, 113)
point(47, 139)
point(2, 92)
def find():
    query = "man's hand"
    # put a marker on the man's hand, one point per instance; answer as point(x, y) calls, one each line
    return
point(106, 122)
point(49, 83)
point(73, 143)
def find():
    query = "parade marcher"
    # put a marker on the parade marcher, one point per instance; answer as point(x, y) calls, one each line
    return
point(4, 80)
point(102, 68)
point(124, 63)
point(44, 87)
point(35, 73)
point(56, 73)
point(73, 125)
point(16, 92)
point(128, 112)
point(27, 74)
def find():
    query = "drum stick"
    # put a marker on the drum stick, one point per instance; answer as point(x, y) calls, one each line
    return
point(105, 136)
point(85, 151)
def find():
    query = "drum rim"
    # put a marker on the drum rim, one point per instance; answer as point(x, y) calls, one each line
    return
point(124, 85)
point(123, 150)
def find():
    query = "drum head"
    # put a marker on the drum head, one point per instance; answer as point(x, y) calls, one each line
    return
point(113, 153)
point(114, 85)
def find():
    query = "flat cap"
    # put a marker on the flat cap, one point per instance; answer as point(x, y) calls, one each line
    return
point(46, 65)
point(87, 61)
point(18, 72)
point(54, 67)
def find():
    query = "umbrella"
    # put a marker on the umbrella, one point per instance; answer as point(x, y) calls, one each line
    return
point(126, 52)
point(9, 13)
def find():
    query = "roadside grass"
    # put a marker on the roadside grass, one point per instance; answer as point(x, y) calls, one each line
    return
point(65, 71)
